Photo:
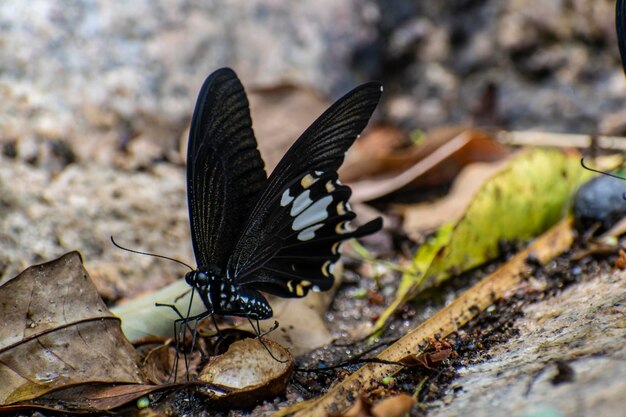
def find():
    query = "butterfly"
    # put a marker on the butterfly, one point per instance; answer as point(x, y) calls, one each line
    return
point(279, 234)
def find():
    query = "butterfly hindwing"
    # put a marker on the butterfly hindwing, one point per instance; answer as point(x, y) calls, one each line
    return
point(309, 221)
point(225, 172)
point(317, 153)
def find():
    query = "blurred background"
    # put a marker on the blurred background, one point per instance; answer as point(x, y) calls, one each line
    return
point(97, 97)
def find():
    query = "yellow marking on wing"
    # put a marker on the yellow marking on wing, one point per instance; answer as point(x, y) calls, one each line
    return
point(325, 270)
point(307, 180)
point(299, 290)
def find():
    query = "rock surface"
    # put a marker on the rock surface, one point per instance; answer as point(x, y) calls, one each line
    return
point(569, 359)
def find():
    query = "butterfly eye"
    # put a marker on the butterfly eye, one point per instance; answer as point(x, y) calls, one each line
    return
point(194, 278)
point(202, 278)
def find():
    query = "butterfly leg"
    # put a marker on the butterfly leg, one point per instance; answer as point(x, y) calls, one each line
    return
point(259, 335)
point(179, 333)
point(217, 329)
point(181, 325)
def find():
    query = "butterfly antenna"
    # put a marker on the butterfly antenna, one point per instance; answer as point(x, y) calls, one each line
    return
point(149, 254)
point(582, 162)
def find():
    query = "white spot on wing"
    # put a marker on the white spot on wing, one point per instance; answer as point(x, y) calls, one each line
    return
point(286, 199)
point(300, 203)
point(313, 214)
point(309, 233)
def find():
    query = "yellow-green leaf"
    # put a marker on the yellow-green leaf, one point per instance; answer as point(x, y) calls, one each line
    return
point(523, 200)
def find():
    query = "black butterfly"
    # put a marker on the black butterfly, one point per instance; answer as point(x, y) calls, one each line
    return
point(278, 234)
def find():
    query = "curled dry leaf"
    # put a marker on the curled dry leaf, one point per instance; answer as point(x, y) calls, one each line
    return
point(435, 165)
point(396, 406)
point(383, 148)
point(247, 373)
point(158, 364)
point(57, 332)
point(428, 360)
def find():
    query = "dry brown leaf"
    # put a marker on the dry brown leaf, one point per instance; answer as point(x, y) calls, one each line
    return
point(361, 408)
point(620, 262)
point(159, 363)
point(281, 114)
point(98, 397)
point(438, 167)
point(396, 406)
point(54, 317)
point(383, 148)
point(247, 374)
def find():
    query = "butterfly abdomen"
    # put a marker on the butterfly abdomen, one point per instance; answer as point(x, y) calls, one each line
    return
point(220, 296)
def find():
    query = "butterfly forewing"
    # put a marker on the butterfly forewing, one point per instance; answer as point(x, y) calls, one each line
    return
point(225, 172)
point(323, 145)
point(317, 154)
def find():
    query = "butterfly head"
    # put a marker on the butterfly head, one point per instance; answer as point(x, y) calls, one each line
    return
point(222, 297)
point(202, 279)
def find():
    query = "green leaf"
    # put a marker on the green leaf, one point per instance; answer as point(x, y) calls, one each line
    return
point(520, 202)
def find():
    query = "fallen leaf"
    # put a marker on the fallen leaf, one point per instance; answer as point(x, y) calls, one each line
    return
point(429, 216)
point(247, 374)
point(361, 408)
point(531, 194)
point(98, 397)
point(383, 148)
point(396, 406)
point(160, 362)
point(428, 360)
point(57, 331)
point(439, 166)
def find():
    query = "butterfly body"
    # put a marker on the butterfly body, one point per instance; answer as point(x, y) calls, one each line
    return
point(279, 234)
point(220, 296)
